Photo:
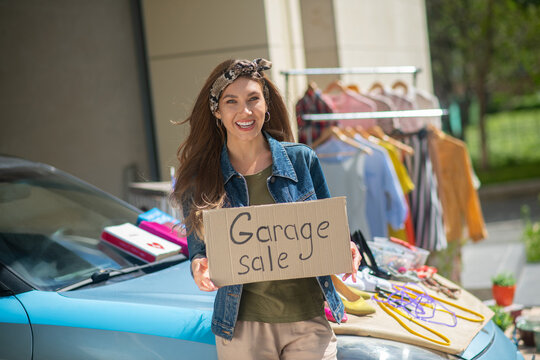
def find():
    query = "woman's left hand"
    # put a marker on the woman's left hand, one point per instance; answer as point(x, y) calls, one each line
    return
point(356, 258)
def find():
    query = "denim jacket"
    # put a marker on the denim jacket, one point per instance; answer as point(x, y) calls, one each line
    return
point(296, 176)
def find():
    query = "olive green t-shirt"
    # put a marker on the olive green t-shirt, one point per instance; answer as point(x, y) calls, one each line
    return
point(281, 300)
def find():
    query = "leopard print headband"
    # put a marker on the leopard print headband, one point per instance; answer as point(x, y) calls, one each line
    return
point(238, 68)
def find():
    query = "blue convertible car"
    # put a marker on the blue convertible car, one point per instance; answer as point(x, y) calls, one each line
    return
point(65, 294)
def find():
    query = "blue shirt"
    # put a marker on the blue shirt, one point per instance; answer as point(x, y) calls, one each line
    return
point(374, 195)
point(343, 167)
point(385, 201)
point(296, 176)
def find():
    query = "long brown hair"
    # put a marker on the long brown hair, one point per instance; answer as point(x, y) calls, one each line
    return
point(199, 181)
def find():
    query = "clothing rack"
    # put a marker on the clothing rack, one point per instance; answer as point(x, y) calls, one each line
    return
point(412, 70)
point(372, 115)
point(376, 115)
point(369, 70)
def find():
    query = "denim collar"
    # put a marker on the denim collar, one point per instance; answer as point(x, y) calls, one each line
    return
point(281, 163)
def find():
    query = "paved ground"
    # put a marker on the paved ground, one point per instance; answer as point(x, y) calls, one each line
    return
point(504, 250)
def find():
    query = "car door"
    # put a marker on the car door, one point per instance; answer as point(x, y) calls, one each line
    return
point(15, 332)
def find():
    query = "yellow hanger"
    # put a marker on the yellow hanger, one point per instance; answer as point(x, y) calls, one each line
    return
point(335, 85)
point(359, 130)
point(402, 85)
point(334, 131)
point(378, 132)
point(363, 132)
point(354, 88)
point(312, 86)
point(388, 309)
point(377, 86)
point(481, 317)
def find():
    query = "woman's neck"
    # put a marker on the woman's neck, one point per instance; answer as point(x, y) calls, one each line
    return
point(250, 157)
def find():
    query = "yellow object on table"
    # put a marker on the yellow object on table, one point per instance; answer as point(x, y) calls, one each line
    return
point(383, 325)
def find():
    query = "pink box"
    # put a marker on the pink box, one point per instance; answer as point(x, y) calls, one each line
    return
point(167, 233)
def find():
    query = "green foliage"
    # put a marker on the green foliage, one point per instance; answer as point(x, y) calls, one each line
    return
point(467, 35)
point(513, 140)
point(503, 102)
point(483, 49)
point(511, 170)
point(531, 236)
point(501, 318)
point(504, 279)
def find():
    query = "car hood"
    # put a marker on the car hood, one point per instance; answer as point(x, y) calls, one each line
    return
point(172, 286)
point(165, 303)
point(482, 341)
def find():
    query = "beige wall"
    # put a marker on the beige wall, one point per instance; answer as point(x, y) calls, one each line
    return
point(71, 92)
point(366, 33)
point(187, 39)
point(70, 89)
point(383, 33)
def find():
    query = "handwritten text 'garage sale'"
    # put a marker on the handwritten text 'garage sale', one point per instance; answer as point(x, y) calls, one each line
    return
point(279, 241)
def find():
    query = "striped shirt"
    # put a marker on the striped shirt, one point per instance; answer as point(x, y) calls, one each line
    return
point(424, 200)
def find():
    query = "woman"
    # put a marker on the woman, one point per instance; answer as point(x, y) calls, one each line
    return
point(239, 153)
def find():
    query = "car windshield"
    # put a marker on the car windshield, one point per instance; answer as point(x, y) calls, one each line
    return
point(50, 227)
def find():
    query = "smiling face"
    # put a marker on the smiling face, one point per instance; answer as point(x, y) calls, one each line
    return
point(241, 109)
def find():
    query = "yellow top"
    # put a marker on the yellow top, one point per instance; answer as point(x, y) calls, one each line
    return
point(404, 180)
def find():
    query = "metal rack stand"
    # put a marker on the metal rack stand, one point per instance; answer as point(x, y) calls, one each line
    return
point(370, 70)
point(372, 115)
point(376, 115)
point(413, 70)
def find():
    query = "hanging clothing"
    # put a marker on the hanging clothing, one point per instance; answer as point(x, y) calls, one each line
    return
point(425, 205)
point(343, 167)
point(312, 103)
point(401, 171)
point(385, 201)
point(406, 232)
point(459, 198)
point(405, 102)
point(384, 103)
point(349, 102)
point(426, 100)
point(400, 102)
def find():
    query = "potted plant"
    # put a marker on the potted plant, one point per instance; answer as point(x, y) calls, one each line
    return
point(503, 289)
point(500, 317)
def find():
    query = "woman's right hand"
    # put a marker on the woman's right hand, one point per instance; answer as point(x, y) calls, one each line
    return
point(201, 274)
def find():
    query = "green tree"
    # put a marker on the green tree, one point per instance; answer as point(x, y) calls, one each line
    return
point(486, 50)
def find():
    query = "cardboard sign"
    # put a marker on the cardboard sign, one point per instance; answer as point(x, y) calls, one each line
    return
point(278, 241)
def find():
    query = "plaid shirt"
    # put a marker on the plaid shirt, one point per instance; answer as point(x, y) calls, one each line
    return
point(312, 103)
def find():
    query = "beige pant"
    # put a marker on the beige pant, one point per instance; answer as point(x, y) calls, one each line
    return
point(311, 339)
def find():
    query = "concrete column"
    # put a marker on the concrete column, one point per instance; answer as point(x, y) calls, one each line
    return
point(320, 39)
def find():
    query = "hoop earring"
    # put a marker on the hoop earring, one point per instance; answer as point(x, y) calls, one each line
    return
point(265, 119)
point(218, 124)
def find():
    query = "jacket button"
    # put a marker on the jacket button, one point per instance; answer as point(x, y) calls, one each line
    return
point(326, 284)
point(272, 179)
